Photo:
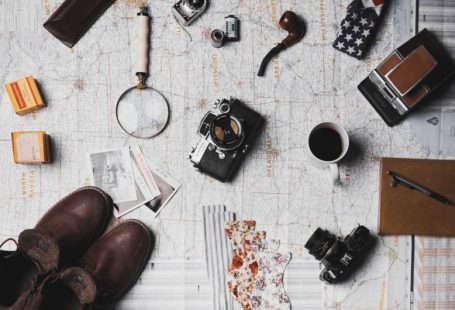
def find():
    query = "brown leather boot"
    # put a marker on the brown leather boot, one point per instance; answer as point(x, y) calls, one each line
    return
point(61, 237)
point(111, 266)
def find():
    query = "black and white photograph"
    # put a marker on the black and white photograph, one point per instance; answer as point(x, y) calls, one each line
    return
point(168, 187)
point(146, 187)
point(112, 172)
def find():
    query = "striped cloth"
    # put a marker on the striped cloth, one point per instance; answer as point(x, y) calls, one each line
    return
point(180, 284)
point(435, 273)
point(218, 254)
point(438, 16)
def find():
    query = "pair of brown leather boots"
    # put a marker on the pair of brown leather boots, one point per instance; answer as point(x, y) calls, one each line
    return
point(63, 263)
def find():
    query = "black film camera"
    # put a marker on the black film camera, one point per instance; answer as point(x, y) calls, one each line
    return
point(227, 132)
point(339, 256)
point(186, 11)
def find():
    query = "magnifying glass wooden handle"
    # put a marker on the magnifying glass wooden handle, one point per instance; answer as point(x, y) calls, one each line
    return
point(143, 27)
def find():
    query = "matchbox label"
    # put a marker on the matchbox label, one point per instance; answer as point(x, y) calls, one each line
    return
point(18, 95)
point(24, 95)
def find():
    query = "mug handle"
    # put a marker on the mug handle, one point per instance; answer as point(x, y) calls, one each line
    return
point(335, 174)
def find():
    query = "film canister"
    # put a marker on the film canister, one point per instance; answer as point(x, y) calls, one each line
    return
point(232, 28)
point(217, 38)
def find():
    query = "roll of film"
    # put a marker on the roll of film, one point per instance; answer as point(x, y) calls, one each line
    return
point(232, 28)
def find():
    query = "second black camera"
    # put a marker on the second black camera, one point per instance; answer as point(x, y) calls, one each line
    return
point(339, 256)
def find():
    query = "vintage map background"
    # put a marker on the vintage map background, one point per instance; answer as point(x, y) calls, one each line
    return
point(309, 83)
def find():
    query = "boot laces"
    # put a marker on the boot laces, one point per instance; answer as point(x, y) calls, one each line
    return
point(7, 240)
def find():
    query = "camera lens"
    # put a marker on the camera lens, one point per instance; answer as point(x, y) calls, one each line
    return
point(226, 131)
point(195, 4)
point(319, 243)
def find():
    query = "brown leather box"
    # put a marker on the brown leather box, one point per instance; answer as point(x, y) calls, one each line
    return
point(409, 212)
point(73, 18)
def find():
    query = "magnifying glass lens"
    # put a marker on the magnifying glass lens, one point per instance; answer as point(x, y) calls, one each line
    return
point(142, 113)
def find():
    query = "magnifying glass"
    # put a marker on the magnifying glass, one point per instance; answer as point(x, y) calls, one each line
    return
point(142, 111)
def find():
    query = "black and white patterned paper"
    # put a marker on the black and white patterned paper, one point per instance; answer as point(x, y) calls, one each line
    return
point(359, 27)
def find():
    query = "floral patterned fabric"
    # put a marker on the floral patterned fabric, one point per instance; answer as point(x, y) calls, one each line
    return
point(244, 266)
point(255, 275)
point(269, 246)
point(269, 292)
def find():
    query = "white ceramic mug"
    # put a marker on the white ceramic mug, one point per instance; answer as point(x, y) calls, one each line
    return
point(331, 165)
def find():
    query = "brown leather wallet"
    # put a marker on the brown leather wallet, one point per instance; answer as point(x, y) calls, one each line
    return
point(73, 18)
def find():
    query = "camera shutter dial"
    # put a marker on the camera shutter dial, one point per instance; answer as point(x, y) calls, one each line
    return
point(225, 108)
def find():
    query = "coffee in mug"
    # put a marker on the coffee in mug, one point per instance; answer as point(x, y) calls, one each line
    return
point(327, 144)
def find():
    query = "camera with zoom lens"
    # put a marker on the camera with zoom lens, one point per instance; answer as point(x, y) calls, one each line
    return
point(339, 256)
point(186, 11)
point(228, 132)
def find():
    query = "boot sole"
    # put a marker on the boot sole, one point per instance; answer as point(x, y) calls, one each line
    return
point(41, 249)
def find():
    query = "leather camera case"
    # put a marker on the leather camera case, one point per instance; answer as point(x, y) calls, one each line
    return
point(73, 19)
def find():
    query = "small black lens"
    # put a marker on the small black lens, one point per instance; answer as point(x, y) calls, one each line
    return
point(319, 243)
point(196, 4)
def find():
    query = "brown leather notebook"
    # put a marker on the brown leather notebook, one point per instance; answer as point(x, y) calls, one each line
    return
point(409, 212)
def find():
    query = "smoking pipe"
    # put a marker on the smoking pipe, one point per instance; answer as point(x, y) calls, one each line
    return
point(290, 22)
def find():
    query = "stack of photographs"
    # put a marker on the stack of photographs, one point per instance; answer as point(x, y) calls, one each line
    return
point(132, 180)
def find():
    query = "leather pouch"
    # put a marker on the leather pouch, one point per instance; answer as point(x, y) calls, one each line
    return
point(410, 212)
point(73, 18)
